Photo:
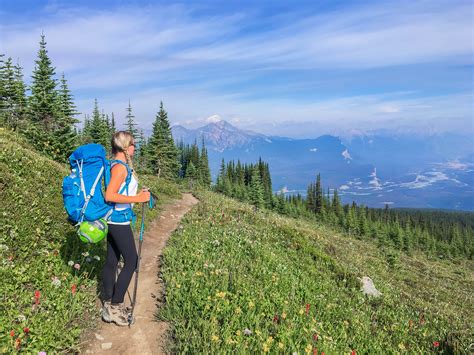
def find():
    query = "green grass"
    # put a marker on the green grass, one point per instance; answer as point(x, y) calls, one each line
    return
point(294, 285)
point(36, 245)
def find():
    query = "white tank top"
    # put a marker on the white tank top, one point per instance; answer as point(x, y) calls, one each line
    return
point(132, 191)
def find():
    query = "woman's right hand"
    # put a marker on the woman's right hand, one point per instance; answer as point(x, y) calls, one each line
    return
point(143, 196)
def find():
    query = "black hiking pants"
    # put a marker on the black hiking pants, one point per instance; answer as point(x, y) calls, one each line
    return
point(120, 242)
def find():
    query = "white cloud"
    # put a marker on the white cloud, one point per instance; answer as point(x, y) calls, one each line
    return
point(153, 53)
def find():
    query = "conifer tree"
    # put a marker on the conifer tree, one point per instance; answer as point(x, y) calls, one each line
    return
point(130, 122)
point(65, 134)
point(43, 91)
point(163, 151)
point(256, 189)
point(205, 172)
point(318, 203)
point(98, 130)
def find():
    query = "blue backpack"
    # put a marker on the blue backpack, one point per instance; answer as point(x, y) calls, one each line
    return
point(82, 190)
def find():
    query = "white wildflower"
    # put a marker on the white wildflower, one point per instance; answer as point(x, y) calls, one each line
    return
point(85, 254)
point(70, 263)
point(56, 282)
point(97, 257)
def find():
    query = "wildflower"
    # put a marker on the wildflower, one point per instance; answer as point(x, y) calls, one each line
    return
point(37, 297)
point(26, 330)
point(12, 333)
point(281, 345)
point(307, 308)
point(301, 311)
point(322, 352)
point(270, 339)
point(315, 351)
point(238, 310)
point(308, 348)
point(266, 349)
point(73, 289)
point(97, 257)
point(247, 331)
point(283, 315)
point(178, 285)
point(77, 266)
point(238, 332)
point(70, 263)
point(275, 318)
point(251, 305)
point(21, 318)
point(258, 332)
point(85, 254)
point(18, 343)
point(353, 352)
point(315, 337)
point(220, 294)
point(436, 344)
point(42, 353)
point(56, 282)
point(215, 338)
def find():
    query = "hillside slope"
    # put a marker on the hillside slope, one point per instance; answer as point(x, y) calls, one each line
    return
point(253, 281)
point(49, 278)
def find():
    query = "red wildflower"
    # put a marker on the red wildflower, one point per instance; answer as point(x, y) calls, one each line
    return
point(315, 337)
point(353, 352)
point(436, 344)
point(315, 351)
point(307, 308)
point(17, 343)
point(12, 333)
point(322, 352)
point(73, 289)
point(26, 330)
point(275, 318)
point(37, 296)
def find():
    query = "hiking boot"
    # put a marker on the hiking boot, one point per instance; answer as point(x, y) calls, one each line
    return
point(118, 314)
point(105, 312)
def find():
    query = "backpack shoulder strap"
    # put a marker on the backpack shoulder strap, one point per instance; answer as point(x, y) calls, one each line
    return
point(129, 174)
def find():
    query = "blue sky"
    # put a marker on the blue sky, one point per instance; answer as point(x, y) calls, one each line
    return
point(299, 68)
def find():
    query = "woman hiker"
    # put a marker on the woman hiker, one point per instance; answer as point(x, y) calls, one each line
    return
point(120, 240)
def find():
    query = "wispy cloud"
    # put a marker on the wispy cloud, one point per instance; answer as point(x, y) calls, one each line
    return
point(261, 71)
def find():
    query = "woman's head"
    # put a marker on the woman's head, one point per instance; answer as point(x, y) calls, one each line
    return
point(123, 141)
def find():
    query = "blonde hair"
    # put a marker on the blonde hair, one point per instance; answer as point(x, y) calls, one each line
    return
point(121, 140)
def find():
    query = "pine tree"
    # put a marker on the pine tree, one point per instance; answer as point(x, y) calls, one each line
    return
point(318, 203)
point(98, 130)
point(205, 172)
point(43, 91)
point(65, 134)
point(163, 152)
point(9, 99)
point(256, 189)
point(130, 123)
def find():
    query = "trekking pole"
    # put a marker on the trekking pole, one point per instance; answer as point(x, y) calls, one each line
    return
point(140, 242)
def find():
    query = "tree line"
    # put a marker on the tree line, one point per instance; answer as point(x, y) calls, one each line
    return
point(47, 118)
point(246, 182)
point(437, 233)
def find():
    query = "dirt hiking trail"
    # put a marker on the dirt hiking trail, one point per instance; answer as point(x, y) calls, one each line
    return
point(147, 335)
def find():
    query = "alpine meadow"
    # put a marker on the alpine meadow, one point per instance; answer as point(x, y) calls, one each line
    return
point(249, 268)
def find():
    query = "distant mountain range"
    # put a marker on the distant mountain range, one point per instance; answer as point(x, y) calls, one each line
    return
point(403, 171)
